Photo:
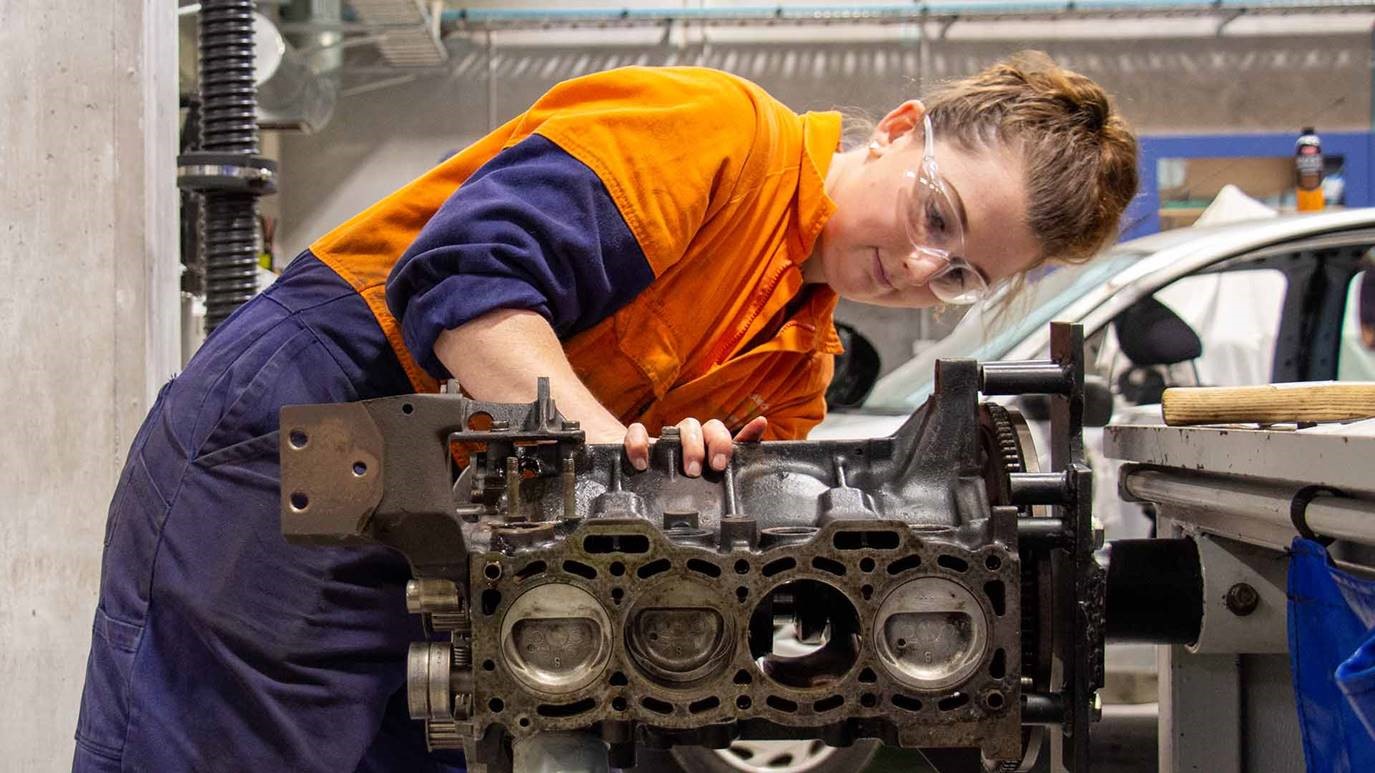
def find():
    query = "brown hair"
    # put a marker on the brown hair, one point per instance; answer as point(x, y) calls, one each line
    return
point(1080, 155)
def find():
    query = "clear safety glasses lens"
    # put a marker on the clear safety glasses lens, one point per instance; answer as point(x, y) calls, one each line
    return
point(927, 209)
point(958, 284)
point(932, 221)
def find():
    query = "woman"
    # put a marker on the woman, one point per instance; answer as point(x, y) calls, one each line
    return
point(667, 245)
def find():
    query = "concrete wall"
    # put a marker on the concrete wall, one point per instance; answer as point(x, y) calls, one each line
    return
point(1169, 76)
point(88, 239)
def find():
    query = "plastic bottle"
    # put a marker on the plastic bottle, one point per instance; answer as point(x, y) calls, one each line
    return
point(1308, 171)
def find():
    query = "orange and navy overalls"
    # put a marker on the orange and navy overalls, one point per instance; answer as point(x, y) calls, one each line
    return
point(657, 217)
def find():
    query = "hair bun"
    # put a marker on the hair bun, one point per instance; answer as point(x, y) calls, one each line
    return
point(1078, 153)
point(1083, 101)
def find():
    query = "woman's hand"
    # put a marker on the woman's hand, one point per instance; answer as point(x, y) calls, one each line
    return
point(701, 442)
point(480, 354)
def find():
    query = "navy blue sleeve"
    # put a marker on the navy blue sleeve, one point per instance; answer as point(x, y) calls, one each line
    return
point(534, 228)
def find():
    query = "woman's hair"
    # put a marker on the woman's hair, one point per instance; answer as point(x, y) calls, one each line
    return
point(1080, 155)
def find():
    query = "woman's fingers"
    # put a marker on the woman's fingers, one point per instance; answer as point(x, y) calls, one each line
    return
point(701, 443)
point(637, 446)
point(752, 432)
point(694, 450)
point(718, 443)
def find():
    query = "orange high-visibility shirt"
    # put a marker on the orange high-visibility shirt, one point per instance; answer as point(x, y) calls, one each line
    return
point(722, 188)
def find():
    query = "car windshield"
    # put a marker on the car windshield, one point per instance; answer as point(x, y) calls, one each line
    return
point(983, 334)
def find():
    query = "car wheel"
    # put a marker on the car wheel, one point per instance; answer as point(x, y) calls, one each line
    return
point(808, 756)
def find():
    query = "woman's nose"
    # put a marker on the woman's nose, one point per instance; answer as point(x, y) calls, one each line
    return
point(920, 267)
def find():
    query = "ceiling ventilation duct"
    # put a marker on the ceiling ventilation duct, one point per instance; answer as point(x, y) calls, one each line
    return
point(291, 94)
point(412, 32)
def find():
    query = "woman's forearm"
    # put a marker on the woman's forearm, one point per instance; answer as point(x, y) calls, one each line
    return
point(498, 356)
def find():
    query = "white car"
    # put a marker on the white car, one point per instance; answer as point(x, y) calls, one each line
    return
point(1267, 301)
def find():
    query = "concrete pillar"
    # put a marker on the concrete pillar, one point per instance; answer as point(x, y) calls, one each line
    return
point(88, 324)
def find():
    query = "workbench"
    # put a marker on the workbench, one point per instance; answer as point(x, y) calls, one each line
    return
point(1227, 700)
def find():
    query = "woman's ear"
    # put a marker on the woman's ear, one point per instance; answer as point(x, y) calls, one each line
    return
point(899, 122)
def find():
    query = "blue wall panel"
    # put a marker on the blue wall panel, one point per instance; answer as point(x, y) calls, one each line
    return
point(1143, 216)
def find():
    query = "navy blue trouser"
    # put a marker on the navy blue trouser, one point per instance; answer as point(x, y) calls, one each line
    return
point(216, 645)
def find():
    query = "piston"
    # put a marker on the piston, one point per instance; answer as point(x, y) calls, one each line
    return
point(931, 633)
point(556, 638)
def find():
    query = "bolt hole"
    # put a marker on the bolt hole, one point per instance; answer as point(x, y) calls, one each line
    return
point(523, 721)
point(866, 564)
point(994, 700)
point(743, 702)
point(868, 700)
point(299, 501)
point(993, 563)
point(489, 665)
point(408, 409)
point(480, 421)
point(299, 438)
point(496, 705)
point(618, 703)
point(617, 568)
point(742, 566)
point(492, 571)
point(360, 469)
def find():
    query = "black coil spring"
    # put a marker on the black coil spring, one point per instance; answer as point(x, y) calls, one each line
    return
point(229, 233)
point(228, 95)
point(229, 124)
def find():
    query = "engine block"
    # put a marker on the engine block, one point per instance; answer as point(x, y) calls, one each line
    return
point(914, 588)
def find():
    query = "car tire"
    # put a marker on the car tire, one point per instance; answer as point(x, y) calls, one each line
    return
point(776, 757)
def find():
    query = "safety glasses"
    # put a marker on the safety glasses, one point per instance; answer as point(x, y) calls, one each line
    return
point(928, 212)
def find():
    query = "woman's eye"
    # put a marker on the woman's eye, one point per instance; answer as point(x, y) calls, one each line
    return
point(936, 225)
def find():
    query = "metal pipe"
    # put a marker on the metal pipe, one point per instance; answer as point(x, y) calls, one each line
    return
point(1020, 378)
point(475, 19)
point(1049, 531)
point(1039, 488)
point(1212, 500)
point(1043, 708)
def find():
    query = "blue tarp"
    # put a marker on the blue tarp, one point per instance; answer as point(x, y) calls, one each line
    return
point(1332, 652)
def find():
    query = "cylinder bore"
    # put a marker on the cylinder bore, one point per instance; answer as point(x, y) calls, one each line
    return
point(931, 633)
point(676, 636)
point(805, 633)
point(556, 638)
